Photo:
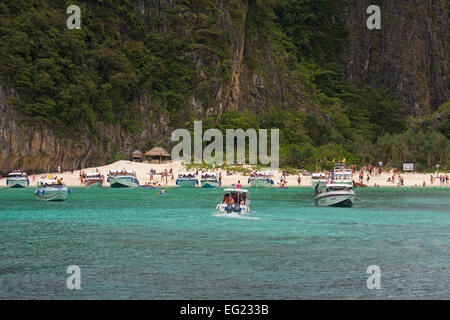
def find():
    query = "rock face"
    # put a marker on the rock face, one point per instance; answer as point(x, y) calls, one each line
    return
point(38, 149)
point(409, 55)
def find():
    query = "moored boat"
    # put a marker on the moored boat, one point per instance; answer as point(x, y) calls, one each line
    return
point(51, 189)
point(235, 200)
point(261, 179)
point(93, 179)
point(209, 180)
point(122, 179)
point(334, 195)
point(17, 179)
point(186, 180)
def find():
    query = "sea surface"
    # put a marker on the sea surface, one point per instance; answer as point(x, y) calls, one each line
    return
point(138, 244)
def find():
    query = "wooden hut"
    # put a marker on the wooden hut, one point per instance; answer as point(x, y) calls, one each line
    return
point(136, 156)
point(157, 155)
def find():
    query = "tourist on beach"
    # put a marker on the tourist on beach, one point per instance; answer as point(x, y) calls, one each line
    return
point(238, 186)
point(220, 178)
point(299, 180)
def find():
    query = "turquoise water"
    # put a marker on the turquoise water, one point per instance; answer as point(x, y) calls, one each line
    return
point(137, 244)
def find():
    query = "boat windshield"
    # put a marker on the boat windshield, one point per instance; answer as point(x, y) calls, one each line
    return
point(121, 173)
point(17, 174)
point(186, 175)
point(208, 175)
point(338, 188)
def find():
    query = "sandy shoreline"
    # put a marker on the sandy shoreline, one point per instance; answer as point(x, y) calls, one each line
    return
point(142, 171)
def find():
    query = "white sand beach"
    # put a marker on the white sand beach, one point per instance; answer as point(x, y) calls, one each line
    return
point(143, 169)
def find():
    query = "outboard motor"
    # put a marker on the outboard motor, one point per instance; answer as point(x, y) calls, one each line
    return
point(237, 208)
point(229, 208)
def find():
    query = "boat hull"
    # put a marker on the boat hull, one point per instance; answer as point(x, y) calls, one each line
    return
point(93, 184)
point(51, 194)
point(260, 183)
point(186, 183)
point(335, 199)
point(17, 183)
point(210, 184)
point(124, 182)
point(241, 209)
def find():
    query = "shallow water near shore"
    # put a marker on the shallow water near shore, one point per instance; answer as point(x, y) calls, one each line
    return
point(137, 244)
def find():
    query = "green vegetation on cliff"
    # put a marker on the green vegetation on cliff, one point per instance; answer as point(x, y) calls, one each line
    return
point(172, 52)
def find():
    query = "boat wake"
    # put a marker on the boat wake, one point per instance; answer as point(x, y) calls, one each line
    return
point(234, 215)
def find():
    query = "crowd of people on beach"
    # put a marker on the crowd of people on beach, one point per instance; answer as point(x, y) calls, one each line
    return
point(443, 179)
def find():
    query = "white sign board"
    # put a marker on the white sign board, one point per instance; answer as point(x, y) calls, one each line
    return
point(408, 167)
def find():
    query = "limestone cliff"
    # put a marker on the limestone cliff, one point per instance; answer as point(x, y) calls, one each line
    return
point(409, 55)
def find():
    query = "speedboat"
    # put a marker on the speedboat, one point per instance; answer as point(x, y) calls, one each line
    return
point(260, 179)
point(51, 189)
point(122, 179)
point(320, 177)
point(235, 200)
point(93, 179)
point(186, 180)
point(17, 179)
point(334, 195)
point(209, 180)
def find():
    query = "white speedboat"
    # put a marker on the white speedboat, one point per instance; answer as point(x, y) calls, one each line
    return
point(235, 200)
point(123, 179)
point(334, 195)
point(17, 179)
point(186, 180)
point(209, 180)
point(93, 179)
point(51, 189)
point(320, 177)
point(261, 179)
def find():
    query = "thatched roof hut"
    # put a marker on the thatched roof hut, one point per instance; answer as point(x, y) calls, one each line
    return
point(157, 155)
point(137, 155)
